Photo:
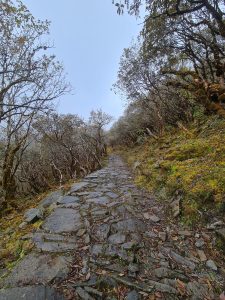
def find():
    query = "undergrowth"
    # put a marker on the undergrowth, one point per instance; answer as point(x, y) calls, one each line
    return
point(189, 162)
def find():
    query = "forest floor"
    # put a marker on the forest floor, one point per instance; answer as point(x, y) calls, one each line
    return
point(108, 239)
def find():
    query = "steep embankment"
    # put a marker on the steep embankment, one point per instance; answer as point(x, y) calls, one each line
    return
point(186, 165)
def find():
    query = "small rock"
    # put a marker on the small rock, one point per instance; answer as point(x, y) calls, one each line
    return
point(33, 214)
point(83, 294)
point(134, 268)
point(150, 234)
point(133, 295)
point(185, 233)
point(23, 225)
point(129, 245)
point(163, 236)
point(154, 219)
point(199, 243)
point(215, 225)
point(147, 215)
point(179, 259)
point(81, 232)
point(202, 255)
point(199, 291)
point(175, 205)
point(221, 233)
point(210, 264)
point(117, 238)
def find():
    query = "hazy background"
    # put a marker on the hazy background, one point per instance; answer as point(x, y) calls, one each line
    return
point(89, 38)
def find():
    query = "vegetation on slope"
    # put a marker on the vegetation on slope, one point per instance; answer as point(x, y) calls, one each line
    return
point(190, 163)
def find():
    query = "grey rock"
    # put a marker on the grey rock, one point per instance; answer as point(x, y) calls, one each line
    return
point(201, 255)
point(30, 293)
point(221, 233)
point(83, 294)
point(199, 291)
point(167, 273)
point(67, 200)
point(129, 245)
point(133, 295)
point(81, 232)
point(199, 243)
point(179, 259)
point(34, 214)
point(215, 225)
point(163, 236)
point(102, 232)
point(154, 218)
point(211, 265)
point(22, 225)
point(164, 288)
point(117, 238)
point(133, 268)
point(97, 250)
point(77, 187)
point(151, 234)
point(99, 201)
point(130, 225)
point(52, 242)
point(112, 195)
point(185, 233)
point(93, 291)
point(38, 269)
point(50, 199)
point(63, 220)
point(175, 205)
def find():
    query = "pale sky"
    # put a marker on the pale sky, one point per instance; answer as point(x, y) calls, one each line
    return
point(89, 38)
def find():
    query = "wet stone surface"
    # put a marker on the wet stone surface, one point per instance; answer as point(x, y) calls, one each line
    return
point(107, 239)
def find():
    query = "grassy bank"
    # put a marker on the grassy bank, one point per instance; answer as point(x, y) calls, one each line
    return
point(189, 162)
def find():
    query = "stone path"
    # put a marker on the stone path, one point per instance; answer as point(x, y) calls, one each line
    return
point(106, 239)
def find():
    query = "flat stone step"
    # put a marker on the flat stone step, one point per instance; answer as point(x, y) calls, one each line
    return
point(31, 293)
point(63, 220)
point(38, 269)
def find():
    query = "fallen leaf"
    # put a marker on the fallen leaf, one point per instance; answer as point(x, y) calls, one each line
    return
point(181, 287)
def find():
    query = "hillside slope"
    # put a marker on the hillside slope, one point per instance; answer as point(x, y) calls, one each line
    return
point(186, 165)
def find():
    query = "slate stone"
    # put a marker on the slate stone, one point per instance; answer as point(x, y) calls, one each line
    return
point(63, 220)
point(179, 259)
point(117, 238)
point(67, 200)
point(129, 245)
point(199, 243)
point(30, 293)
point(32, 215)
point(161, 287)
point(221, 233)
point(99, 201)
point(130, 225)
point(51, 199)
point(77, 187)
point(97, 250)
point(165, 272)
point(38, 269)
point(83, 294)
point(112, 195)
point(210, 264)
point(102, 232)
point(133, 295)
point(154, 218)
point(199, 291)
point(93, 195)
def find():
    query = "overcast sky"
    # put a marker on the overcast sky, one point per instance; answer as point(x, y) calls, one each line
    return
point(89, 38)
